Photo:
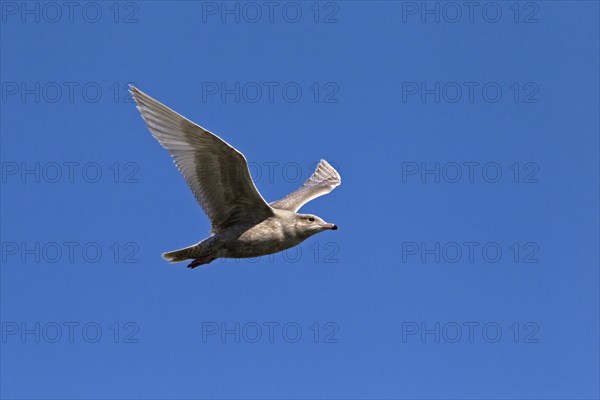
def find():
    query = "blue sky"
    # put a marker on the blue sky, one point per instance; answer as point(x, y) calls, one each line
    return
point(466, 263)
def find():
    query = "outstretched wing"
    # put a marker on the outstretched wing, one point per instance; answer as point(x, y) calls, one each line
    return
point(216, 173)
point(322, 181)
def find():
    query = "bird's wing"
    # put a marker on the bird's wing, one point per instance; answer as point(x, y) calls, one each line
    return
point(216, 173)
point(322, 181)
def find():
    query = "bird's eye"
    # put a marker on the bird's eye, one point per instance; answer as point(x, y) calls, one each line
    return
point(311, 219)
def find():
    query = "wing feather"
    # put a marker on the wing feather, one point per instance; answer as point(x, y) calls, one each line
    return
point(216, 173)
point(322, 181)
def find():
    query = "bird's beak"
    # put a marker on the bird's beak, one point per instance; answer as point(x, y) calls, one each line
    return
point(333, 227)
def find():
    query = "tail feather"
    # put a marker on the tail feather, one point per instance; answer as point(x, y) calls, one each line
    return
point(179, 255)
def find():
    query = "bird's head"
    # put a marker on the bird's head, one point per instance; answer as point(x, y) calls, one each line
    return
point(308, 224)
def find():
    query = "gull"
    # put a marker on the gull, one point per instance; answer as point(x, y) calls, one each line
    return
point(244, 225)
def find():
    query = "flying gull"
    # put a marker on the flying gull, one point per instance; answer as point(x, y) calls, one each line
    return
point(243, 223)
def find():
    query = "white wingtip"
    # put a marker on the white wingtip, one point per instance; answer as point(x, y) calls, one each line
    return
point(329, 169)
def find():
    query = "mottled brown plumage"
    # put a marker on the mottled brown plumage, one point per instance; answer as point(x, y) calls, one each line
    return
point(243, 224)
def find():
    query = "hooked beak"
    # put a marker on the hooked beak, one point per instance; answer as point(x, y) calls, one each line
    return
point(333, 227)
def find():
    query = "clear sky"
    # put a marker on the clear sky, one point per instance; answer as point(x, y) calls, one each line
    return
point(466, 263)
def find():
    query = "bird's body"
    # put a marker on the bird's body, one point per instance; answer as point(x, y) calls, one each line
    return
point(271, 235)
point(244, 225)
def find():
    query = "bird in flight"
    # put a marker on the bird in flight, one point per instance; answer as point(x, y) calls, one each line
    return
point(243, 224)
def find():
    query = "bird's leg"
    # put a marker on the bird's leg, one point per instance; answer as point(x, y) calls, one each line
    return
point(201, 261)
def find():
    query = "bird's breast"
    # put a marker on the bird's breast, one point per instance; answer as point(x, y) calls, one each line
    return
point(269, 236)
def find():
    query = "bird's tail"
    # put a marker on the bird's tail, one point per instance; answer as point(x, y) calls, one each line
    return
point(181, 254)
